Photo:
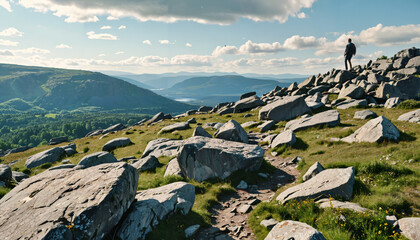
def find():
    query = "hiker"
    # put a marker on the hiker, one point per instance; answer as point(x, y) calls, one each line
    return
point(349, 52)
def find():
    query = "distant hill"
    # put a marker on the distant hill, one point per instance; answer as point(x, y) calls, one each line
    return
point(134, 82)
point(206, 90)
point(24, 88)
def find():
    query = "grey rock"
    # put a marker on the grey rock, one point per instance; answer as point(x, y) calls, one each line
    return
point(146, 163)
point(199, 131)
point(5, 173)
point(376, 130)
point(50, 155)
point(18, 176)
point(247, 95)
point(248, 115)
point(292, 87)
point(284, 109)
point(267, 125)
point(116, 143)
point(410, 227)
point(314, 98)
point(191, 230)
point(365, 114)
point(408, 71)
point(352, 91)
point(392, 220)
point(174, 127)
point(244, 208)
point(225, 110)
point(58, 140)
point(269, 223)
point(407, 53)
point(157, 117)
point(202, 158)
point(413, 116)
point(205, 109)
point(173, 169)
point(162, 147)
point(249, 124)
point(248, 103)
point(312, 171)
point(191, 121)
point(62, 166)
point(327, 203)
point(376, 78)
point(352, 103)
point(269, 138)
point(113, 128)
point(386, 91)
point(91, 200)
point(70, 149)
point(96, 159)
point(321, 88)
point(330, 182)
point(413, 62)
point(409, 87)
point(154, 205)
point(307, 83)
point(344, 76)
point(242, 185)
point(232, 131)
point(286, 137)
point(400, 63)
point(94, 133)
point(392, 102)
point(330, 118)
point(289, 230)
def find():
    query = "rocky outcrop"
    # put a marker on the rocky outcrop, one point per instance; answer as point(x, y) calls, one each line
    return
point(289, 229)
point(173, 168)
point(352, 103)
point(413, 116)
point(312, 171)
point(199, 131)
point(328, 203)
point(410, 227)
point(330, 118)
point(376, 130)
point(58, 140)
point(174, 127)
point(158, 117)
point(19, 176)
point(47, 156)
point(248, 103)
point(116, 143)
point(365, 114)
point(352, 91)
point(267, 125)
point(392, 102)
point(154, 205)
point(69, 203)
point(331, 182)
point(201, 158)
point(232, 131)
point(162, 147)
point(284, 109)
point(286, 137)
point(70, 149)
point(5, 174)
point(96, 159)
point(147, 163)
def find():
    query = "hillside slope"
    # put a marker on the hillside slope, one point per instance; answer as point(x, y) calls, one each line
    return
point(61, 89)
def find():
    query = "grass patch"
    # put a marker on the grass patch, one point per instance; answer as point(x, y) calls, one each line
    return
point(409, 104)
point(85, 149)
point(317, 153)
point(4, 191)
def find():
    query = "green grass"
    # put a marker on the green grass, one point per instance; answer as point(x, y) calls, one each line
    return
point(409, 104)
point(4, 191)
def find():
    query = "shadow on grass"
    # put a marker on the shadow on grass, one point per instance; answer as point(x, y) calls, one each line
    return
point(300, 144)
point(407, 137)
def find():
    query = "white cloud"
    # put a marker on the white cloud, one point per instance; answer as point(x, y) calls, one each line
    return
point(6, 5)
point(164, 42)
point(112, 18)
point(122, 27)
point(216, 12)
point(105, 27)
point(188, 45)
point(301, 15)
point(11, 32)
point(147, 42)
point(103, 36)
point(31, 50)
point(6, 53)
point(249, 48)
point(102, 55)
point(62, 46)
point(8, 43)
point(298, 42)
point(119, 53)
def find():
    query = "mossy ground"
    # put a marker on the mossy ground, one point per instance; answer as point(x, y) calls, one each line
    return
point(387, 174)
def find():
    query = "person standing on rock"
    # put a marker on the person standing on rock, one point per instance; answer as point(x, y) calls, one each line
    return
point(349, 52)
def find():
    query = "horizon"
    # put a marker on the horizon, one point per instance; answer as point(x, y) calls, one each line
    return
point(268, 37)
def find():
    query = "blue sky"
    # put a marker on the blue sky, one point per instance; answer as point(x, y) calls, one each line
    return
point(258, 36)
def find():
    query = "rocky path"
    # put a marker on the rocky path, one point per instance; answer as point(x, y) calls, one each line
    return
point(230, 215)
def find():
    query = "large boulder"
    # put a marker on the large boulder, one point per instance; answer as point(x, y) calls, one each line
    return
point(266, 125)
point(96, 159)
point(174, 127)
point(284, 109)
point(413, 62)
point(352, 91)
point(19, 176)
point(69, 203)
point(47, 156)
point(392, 102)
point(116, 143)
point(386, 90)
point(293, 230)
point(5, 173)
point(308, 82)
point(113, 128)
point(157, 117)
point(312, 171)
point(335, 182)
point(286, 137)
point(331, 203)
point(365, 114)
point(148, 163)
point(376, 130)
point(199, 131)
point(413, 116)
point(173, 168)
point(58, 140)
point(248, 103)
point(162, 147)
point(232, 131)
point(352, 103)
point(70, 149)
point(410, 227)
point(154, 205)
point(201, 158)
point(409, 87)
point(344, 76)
point(330, 118)
point(247, 95)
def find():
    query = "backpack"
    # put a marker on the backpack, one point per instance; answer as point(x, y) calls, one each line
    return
point(352, 50)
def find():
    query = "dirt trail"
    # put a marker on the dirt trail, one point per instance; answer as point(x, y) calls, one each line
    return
point(230, 215)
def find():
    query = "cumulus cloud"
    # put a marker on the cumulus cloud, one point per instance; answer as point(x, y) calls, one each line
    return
point(147, 42)
point(103, 36)
point(298, 42)
point(301, 15)
point(6, 5)
point(105, 27)
point(188, 45)
point(11, 32)
point(102, 55)
point(6, 53)
point(63, 46)
point(249, 48)
point(112, 18)
point(122, 27)
point(8, 43)
point(164, 42)
point(216, 12)
point(119, 53)
point(265, 63)
point(31, 50)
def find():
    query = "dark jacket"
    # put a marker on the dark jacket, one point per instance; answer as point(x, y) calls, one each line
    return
point(350, 50)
